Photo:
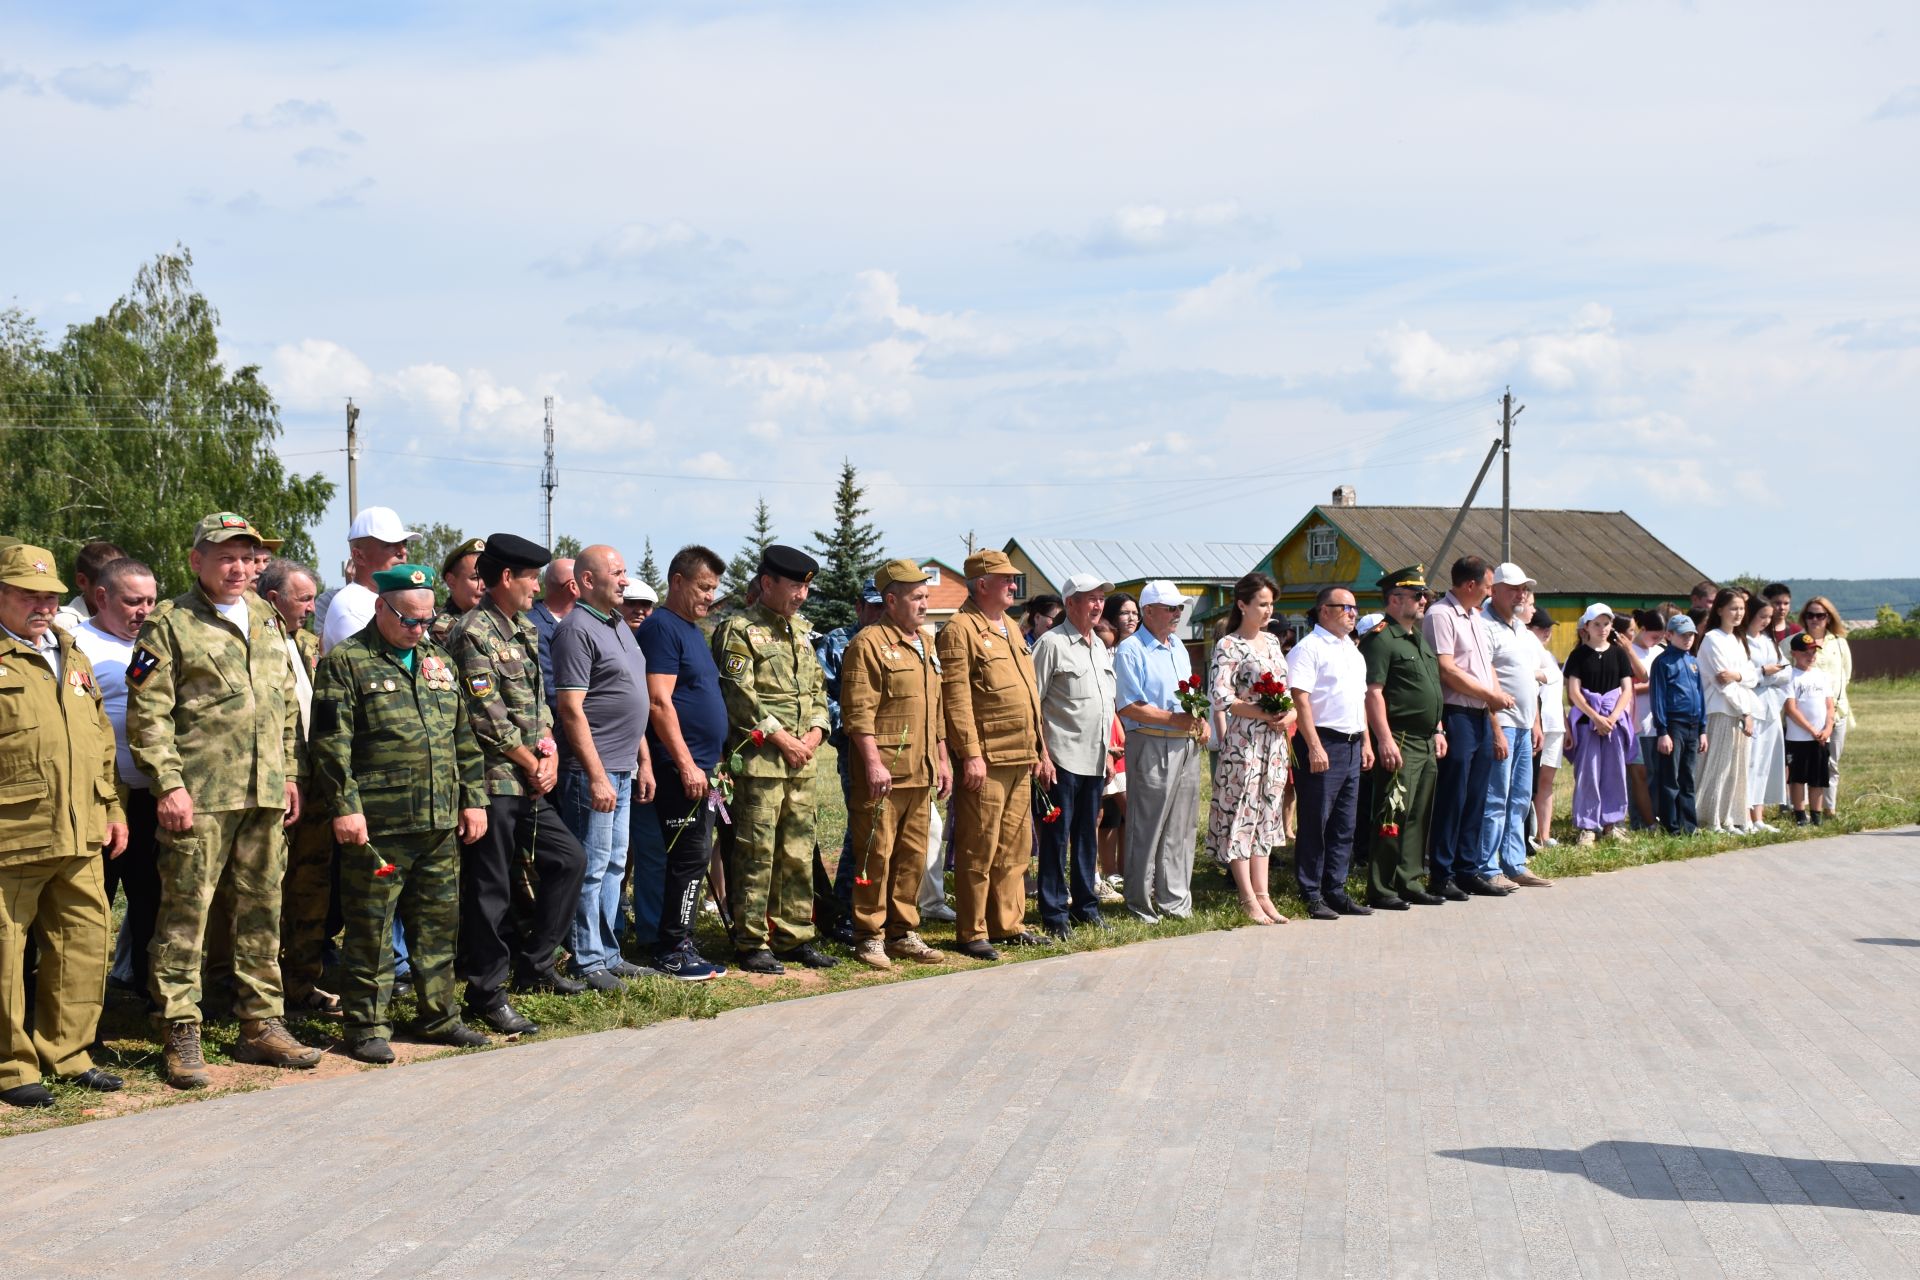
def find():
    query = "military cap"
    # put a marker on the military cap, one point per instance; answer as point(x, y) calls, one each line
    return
point(29, 568)
point(273, 544)
point(406, 577)
point(788, 562)
point(981, 563)
point(514, 551)
point(1413, 578)
point(870, 592)
point(224, 526)
point(471, 547)
point(898, 571)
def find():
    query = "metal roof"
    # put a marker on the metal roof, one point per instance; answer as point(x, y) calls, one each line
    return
point(1121, 561)
point(1569, 552)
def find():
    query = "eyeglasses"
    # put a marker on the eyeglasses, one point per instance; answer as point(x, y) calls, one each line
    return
point(414, 624)
point(1815, 613)
point(1344, 608)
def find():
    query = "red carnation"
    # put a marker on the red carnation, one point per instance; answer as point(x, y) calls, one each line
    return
point(384, 870)
point(861, 880)
point(759, 738)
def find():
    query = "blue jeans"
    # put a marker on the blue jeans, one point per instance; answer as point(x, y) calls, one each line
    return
point(1461, 795)
point(648, 853)
point(1070, 851)
point(595, 939)
point(1503, 829)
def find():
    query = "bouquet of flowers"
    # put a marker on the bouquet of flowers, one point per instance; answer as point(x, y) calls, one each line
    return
point(1396, 805)
point(1044, 809)
point(1270, 692)
point(1191, 694)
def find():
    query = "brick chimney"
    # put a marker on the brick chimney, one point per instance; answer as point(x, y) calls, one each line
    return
point(1344, 495)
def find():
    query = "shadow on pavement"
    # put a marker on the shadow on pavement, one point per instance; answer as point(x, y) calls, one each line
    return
point(1891, 942)
point(1669, 1171)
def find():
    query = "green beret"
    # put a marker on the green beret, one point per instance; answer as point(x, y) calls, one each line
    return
point(406, 577)
point(1413, 577)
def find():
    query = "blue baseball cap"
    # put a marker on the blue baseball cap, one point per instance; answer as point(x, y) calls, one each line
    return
point(1680, 625)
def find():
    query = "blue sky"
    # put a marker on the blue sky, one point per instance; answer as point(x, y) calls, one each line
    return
point(1116, 270)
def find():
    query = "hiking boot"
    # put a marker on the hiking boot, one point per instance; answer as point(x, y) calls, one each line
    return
point(908, 946)
point(267, 1042)
point(872, 953)
point(374, 1049)
point(186, 1068)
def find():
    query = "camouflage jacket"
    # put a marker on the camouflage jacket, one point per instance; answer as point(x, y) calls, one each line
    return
point(309, 646)
point(212, 710)
point(498, 660)
point(393, 744)
point(441, 632)
point(57, 788)
point(770, 679)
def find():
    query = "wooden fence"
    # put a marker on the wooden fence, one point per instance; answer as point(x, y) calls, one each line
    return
point(1873, 659)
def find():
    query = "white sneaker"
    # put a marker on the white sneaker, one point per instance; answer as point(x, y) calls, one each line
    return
point(1765, 826)
point(943, 912)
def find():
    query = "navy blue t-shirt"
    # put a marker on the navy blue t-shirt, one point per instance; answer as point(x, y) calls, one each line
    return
point(678, 648)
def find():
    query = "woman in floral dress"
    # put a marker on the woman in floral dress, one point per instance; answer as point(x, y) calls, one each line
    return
point(1244, 823)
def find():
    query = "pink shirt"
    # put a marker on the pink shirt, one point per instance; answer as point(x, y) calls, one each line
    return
point(1455, 631)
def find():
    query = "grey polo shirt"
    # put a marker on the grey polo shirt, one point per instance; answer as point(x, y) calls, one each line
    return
point(1074, 673)
point(596, 653)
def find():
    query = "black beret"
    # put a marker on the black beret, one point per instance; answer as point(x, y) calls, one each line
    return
point(514, 551)
point(788, 562)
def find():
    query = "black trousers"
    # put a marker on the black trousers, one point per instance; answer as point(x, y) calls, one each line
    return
point(490, 945)
point(1673, 776)
point(686, 828)
point(136, 873)
point(1070, 852)
point(1328, 806)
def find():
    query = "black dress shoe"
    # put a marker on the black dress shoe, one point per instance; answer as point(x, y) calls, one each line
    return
point(760, 960)
point(1419, 899)
point(373, 1049)
point(27, 1095)
point(602, 980)
point(809, 955)
point(1348, 907)
point(550, 979)
point(1387, 904)
point(1025, 938)
point(1482, 888)
point(502, 1018)
point(97, 1080)
point(978, 949)
point(1058, 932)
point(1097, 921)
point(459, 1035)
point(1318, 910)
point(1452, 893)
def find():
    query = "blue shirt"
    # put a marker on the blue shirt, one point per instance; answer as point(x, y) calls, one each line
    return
point(678, 648)
point(831, 650)
point(1673, 689)
point(1147, 670)
point(546, 624)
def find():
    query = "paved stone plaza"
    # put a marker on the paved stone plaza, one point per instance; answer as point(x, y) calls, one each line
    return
point(1693, 1069)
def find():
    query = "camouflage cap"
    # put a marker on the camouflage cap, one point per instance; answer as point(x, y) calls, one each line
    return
point(224, 526)
point(29, 568)
point(406, 577)
point(471, 547)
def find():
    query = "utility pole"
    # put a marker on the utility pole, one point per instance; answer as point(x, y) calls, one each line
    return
point(549, 476)
point(968, 539)
point(1507, 414)
point(353, 459)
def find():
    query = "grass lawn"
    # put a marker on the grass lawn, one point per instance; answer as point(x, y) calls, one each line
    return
point(1881, 788)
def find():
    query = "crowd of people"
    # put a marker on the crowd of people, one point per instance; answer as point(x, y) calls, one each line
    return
point(513, 772)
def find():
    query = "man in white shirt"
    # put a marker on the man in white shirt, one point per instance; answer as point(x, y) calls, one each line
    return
point(1328, 679)
point(376, 541)
point(1517, 732)
point(1074, 673)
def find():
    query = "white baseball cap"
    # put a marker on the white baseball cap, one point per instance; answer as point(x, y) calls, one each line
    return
point(382, 523)
point(1595, 611)
point(638, 590)
point(1368, 623)
point(1163, 591)
point(1510, 574)
point(1081, 583)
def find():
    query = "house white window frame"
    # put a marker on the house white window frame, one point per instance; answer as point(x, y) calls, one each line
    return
point(933, 574)
point(1323, 545)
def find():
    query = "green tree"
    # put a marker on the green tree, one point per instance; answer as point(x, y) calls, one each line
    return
point(733, 584)
point(649, 571)
point(1888, 625)
point(847, 555)
point(132, 429)
point(565, 547)
point(435, 543)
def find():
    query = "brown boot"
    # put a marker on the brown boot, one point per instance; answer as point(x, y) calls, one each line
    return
point(267, 1041)
point(186, 1069)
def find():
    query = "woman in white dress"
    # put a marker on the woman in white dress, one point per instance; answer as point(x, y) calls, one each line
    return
point(1835, 660)
point(1767, 752)
point(1553, 728)
point(1727, 677)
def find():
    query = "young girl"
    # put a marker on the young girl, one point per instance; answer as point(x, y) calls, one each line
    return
point(1600, 733)
point(1767, 753)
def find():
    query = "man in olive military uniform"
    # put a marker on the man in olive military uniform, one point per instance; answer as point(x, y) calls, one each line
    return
point(59, 811)
point(772, 685)
point(890, 709)
point(496, 652)
point(465, 591)
point(398, 771)
point(213, 718)
point(1405, 717)
point(992, 707)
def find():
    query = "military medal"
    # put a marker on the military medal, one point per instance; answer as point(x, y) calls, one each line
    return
point(390, 686)
point(986, 642)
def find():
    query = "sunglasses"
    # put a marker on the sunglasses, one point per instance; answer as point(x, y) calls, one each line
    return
point(1344, 608)
point(411, 623)
point(1815, 613)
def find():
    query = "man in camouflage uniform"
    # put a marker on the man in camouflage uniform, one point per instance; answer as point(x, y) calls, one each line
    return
point(213, 718)
point(465, 591)
point(398, 771)
point(496, 651)
point(773, 686)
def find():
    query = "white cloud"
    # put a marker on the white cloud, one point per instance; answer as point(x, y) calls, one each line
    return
point(315, 374)
point(290, 113)
point(1228, 293)
point(1583, 354)
point(1413, 12)
point(714, 466)
point(1137, 229)
point(765, 431)
point(319, 157)
point(675, 248)
point(13, 78)
point(1901, 105)
point(100, 85)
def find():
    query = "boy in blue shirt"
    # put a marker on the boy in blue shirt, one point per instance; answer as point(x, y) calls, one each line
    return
point(1679, 713)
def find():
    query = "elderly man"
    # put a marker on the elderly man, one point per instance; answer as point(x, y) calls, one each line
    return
point(1409, 737)
point(123, 596)
point(776, 702)
point(1074, 672)
point(1455, 629)
point(831, 649)
point(637, 603)
point(377, 540)
point(992, 707)
point(890, 704)
point(1517, 732)
point(497, 653)
point(398, 773)
point(559, 590)
point(465, 591)
point(1164, 746)
point(601, 700)
point(1328, 679)
point(214, 719)
point(55, 834)
point(92, 558)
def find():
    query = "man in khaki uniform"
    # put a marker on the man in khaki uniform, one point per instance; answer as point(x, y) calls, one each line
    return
point(213, 717)
point(59, 810)
point(992, 705)
point(890, 709)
